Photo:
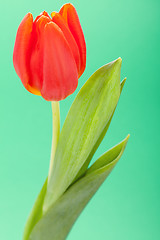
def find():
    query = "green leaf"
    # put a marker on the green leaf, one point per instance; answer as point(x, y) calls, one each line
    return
point(122, 84)
point(109, 157)
point(85, 165)
point(58, 220)
point(85, 122)
point(36, 212)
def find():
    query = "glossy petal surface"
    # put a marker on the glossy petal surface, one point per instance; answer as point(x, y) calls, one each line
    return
point(36, 57)
point(59, 20)
point(60, 77)
point(70, 15)
point(49, 58)
point(21, 49)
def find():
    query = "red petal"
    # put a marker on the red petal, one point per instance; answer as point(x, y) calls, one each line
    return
point(44, 13)
point(59, 20)
point(36, 58)
point(60, 76)
point(69, 13)
point(21, 49)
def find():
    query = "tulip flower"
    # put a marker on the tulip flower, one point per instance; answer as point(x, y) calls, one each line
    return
point(50, 53)
point(49, 57)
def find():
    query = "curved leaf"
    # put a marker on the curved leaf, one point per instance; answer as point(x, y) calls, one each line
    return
point(58, 220)
point(85, 122)
point(85, 165)
point(36, 212)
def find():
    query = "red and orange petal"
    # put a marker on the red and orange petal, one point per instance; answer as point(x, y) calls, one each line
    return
point(21, 49)
point(33, 90)
point(60, 77)
point(50, 56)
point(69, 13)
point(36, 56)
point(44, 13)
point(58, 19)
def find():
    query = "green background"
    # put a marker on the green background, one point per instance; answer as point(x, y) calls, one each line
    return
point(127, 206)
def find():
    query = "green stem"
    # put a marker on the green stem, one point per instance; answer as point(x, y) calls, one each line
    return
point(37, 210)
point(55, 132)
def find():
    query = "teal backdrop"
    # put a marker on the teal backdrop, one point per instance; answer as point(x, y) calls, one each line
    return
point(127, 206)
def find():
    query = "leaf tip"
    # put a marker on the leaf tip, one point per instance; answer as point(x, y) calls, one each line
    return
point(122, 84)
point(126, 139)
point(118, 61)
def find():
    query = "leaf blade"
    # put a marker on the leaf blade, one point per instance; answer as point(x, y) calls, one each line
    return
point(84, 124)
point(85, 165)
point(36, 212)
point(58, 220)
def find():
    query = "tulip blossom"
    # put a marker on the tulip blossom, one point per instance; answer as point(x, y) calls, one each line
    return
point(50, 53)
point(49, 57)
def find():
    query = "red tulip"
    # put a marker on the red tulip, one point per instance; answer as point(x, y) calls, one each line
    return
point(50, 53)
